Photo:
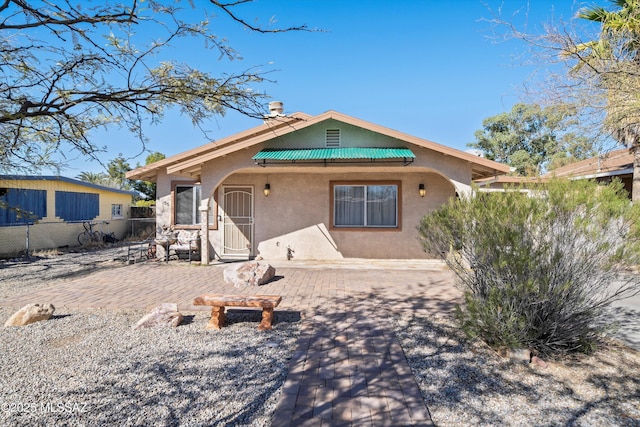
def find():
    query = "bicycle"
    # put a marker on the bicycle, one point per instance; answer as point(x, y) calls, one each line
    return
point(88, 235)
point(107, 237)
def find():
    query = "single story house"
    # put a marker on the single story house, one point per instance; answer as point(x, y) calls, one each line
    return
point(321, 187)
point(49, 211)
point(605, 167)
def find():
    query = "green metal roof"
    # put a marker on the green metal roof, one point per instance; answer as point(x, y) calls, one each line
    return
point(274, 155)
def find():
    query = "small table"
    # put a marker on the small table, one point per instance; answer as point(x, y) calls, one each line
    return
point(165, 242)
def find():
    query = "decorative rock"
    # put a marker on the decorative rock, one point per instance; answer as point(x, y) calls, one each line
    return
point(250, 273)
point(164, 315)
point(31, 313)
point(537, 361)
point(517, 354)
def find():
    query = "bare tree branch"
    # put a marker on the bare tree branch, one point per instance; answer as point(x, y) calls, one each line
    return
point(69, 70)
point(228, 6)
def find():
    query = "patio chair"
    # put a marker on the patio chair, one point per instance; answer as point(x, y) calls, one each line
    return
point(187, 245)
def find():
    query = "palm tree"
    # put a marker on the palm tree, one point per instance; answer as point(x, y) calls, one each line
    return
point(99, 179)
point(614, 59)
point(92, 177)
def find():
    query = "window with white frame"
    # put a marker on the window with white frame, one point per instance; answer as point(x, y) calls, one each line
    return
point(116, 211)
point(367, 205)
point(187, 201)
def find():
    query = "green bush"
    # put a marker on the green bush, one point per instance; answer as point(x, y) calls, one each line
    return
point(539, 269)
point(144, 203)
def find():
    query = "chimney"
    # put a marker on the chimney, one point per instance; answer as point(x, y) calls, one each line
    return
point(276, 109)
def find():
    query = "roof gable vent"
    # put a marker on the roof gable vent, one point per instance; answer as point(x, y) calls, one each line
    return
point(332, 138)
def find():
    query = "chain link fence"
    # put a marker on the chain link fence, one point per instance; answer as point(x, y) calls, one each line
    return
point(24, 239)
point(141, 229)
point(142, 224)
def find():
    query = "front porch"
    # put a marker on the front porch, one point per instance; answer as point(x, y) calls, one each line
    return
point(299, 218)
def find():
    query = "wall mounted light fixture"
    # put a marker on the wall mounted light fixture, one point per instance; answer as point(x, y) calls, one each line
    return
point(421, 190)
point(267, 190)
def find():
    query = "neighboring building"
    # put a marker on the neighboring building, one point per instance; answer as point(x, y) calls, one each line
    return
point(502, 182)
point(311, 187)
point(55, 207)
point(614, 164)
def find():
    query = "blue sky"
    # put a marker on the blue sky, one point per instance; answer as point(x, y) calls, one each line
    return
point(427, 68)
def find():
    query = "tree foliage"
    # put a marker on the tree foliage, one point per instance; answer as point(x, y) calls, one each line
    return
point(92, 177)
point(539, 271)
point(145, 187)
point(597, 71)
point(115, 177)
point(68, 70)
point(533, 139)
point(117, 170)
point(612, 61)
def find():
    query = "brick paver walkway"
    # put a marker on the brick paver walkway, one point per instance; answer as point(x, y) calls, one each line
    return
point(348, 368)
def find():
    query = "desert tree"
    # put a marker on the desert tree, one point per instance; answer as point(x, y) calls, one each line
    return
point(613, 60)
point(533, 139)
point(117, 169)
point(590, 61)
point(71, 68)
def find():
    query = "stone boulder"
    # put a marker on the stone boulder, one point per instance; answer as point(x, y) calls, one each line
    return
point(164, 315)
point(31, 313)
point(251, 273)
point(522, 355)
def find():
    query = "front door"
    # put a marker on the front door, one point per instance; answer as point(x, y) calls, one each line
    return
point(237, 204)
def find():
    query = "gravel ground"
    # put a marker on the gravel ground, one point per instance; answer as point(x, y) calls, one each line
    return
point(467, 384)
point(90, 368)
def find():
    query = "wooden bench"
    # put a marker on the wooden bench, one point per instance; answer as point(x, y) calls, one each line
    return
point(218, 302)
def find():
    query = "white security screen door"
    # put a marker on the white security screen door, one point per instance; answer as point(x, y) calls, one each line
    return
point(237, 222)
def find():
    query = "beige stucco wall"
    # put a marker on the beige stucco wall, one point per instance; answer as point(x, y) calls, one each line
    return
point(297, 215)
point(52, 232)
point(164, 203)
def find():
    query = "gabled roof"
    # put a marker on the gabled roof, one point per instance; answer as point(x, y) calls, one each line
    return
point(190, 162)
point(612, 163)
point(65, 179)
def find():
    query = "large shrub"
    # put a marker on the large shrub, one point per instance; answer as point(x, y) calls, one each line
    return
point(539, 269)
